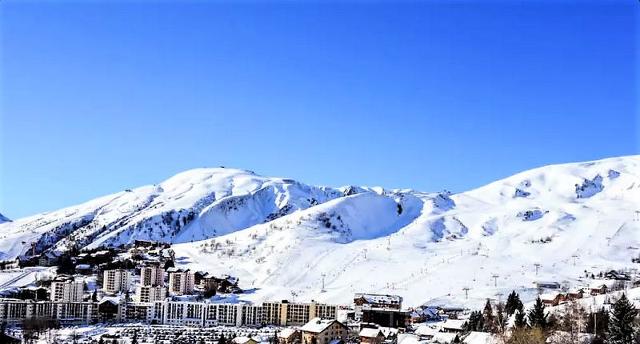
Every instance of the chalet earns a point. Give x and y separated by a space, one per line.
617 275
575 294
323 331
371 336
420 315
244 340
453 326
601 287
289 336
552 299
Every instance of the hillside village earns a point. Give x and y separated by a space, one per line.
136 294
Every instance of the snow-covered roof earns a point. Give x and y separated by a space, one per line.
599 283
243 340
286 333
317 325
454 324
479 338
405 338
369 332
425 330
443 337
379 298
549 296
83 267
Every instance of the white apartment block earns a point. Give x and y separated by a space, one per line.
166 312
67 290
115 280
145 293
181 282
152 276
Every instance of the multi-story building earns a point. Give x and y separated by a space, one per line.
67 289
15 311
375 302
182 313
152 275
116 280
180 282
145 293
285 313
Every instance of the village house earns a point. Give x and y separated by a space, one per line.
323 331
289 336
552 299
244 340
575 294
371 336
453 326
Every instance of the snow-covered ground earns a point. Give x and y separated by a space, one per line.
285 238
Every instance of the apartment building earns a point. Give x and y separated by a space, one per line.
67 289
146 293
181 282
167 312
286 313
152 275
116 280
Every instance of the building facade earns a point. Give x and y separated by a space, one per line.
67 290
152 276
181 282
116 280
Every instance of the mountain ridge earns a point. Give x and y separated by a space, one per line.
281 235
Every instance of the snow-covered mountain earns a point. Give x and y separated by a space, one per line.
4 218
281 236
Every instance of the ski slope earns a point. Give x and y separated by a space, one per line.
283 238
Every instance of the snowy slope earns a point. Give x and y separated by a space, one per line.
553 216
281 236
192 205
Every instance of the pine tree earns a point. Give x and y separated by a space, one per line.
537 316
513 303
621 330
222 340
475 322
488 318
134 339
520 320
500 319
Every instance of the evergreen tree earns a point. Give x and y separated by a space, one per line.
488 318
598 323
134 339
94 296
621 329
513 303
222 340
537 316
100 341
520 320
475 322
500 319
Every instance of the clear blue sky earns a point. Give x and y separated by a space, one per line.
98 97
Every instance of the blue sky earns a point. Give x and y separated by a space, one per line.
98 97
